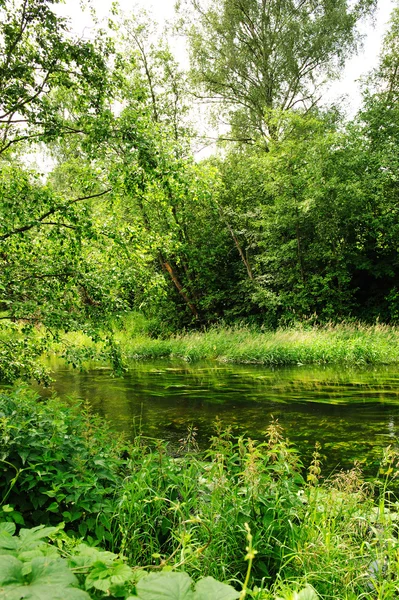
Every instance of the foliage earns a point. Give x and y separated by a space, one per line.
58 462
30 568
33 567
179 585
184 517
38 55
304 232
128 220
312 237
47 274
256 57
192 513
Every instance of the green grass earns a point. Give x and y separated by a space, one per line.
333 344
133 339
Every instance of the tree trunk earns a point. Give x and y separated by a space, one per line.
238 246
167 266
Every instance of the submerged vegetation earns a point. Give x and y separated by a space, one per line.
187 516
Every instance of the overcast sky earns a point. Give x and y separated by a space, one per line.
347 85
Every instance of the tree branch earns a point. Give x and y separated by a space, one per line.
52 211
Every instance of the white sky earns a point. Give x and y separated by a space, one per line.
366 60
346 90
163 10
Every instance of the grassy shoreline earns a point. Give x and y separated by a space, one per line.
344 344
340 344
133 338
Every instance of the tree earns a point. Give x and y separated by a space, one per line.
45 275
376 135
259 58
156 72
38 54
289 220
164 196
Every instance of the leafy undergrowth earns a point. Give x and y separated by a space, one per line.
59 462
42 564
244 519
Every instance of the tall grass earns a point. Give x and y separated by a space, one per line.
334 344
191 512
133 339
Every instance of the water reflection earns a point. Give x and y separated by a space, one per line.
352 413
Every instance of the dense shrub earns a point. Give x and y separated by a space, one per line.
59 463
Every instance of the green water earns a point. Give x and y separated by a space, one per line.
354 414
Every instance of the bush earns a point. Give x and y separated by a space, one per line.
60 463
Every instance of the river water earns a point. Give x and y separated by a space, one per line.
352 413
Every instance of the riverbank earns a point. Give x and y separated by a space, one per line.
247 514
346 344
338 344
133 338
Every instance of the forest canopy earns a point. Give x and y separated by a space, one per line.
294 218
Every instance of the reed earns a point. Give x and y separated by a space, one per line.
351 344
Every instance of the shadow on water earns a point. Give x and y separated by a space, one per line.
354 414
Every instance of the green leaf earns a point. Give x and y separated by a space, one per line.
42 592
48 571
165 586
18 518
88 555
46 579
99 532
7 508
40 550
36 534
120 574
308 593
210 588
103 577
7 540
10 571
8 528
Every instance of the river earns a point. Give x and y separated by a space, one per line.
352 413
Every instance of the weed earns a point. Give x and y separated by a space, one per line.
335 537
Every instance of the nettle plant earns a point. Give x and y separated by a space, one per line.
58 462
